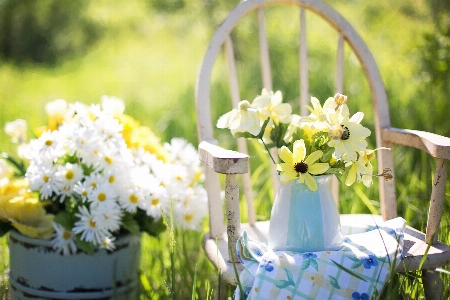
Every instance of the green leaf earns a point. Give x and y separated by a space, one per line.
246 135
327 154
336 171
277 135
349 271
263 129
282 284
334 282
130 224
289 275
19 165
314 264
87 247
352 258
4 228
65 219
305 264
148 224
356 264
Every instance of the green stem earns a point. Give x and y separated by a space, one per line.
268 151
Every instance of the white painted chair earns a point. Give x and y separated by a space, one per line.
230 163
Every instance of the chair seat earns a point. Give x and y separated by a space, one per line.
413 250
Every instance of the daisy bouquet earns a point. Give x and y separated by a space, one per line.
94 173
327 141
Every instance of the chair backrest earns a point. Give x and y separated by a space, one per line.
222 39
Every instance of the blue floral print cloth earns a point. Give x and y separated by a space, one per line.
357 271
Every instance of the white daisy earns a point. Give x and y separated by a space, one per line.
49 144
112 105
108 218
182 151
82 189
88 228
68 175
63 240
43 178
108 243
103 196
131 198
158 200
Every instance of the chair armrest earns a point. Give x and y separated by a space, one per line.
436 145
222 160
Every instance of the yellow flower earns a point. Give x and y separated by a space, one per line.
25 212
299 165
56 111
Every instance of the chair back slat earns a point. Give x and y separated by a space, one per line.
339 79
241 142
338 88
303 68
264 51
232 74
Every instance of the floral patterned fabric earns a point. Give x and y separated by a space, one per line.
357 271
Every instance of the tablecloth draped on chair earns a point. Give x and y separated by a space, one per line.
357 271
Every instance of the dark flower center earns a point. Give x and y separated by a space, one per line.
301 167
346 133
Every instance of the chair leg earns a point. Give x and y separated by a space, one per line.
432 285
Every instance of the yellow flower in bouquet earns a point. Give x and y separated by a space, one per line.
24 210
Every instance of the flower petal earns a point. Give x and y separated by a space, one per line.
310 182
286 155
299 150
223 121
351 178
288 175
318 169
313 157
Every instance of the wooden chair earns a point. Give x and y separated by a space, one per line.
230 163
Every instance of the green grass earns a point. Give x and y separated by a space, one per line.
150 58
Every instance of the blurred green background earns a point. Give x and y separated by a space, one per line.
148 52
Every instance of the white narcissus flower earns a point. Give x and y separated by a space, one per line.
17 130
271 106
317 112
243 119
353 138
